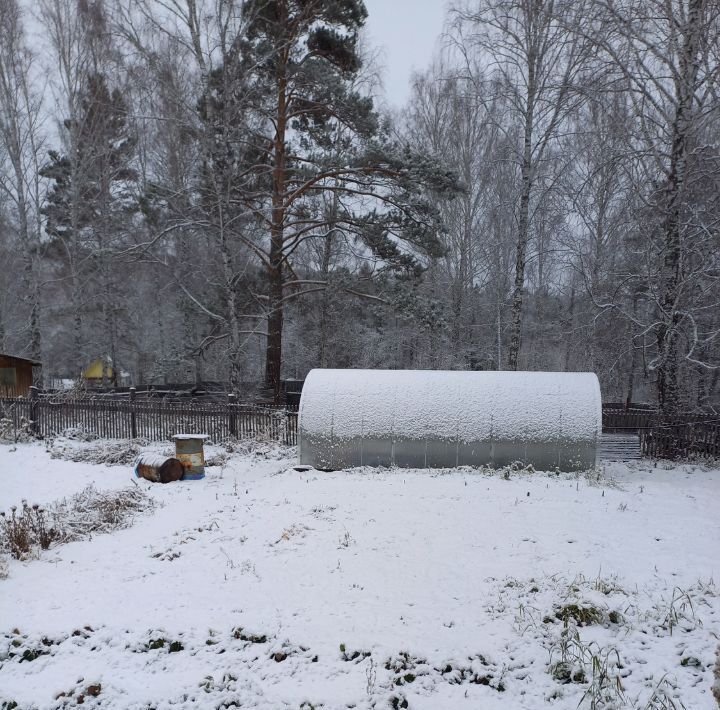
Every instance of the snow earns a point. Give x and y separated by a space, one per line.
411 571
476 406
554 409
27 472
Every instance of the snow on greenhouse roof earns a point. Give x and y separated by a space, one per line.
452 405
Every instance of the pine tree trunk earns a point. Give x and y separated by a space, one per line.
273 353
3 333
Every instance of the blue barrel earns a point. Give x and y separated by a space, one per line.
189 450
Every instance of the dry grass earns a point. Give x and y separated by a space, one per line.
86 513
108 453
91 511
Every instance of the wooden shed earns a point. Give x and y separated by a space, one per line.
16 375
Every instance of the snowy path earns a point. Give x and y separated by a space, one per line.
457 569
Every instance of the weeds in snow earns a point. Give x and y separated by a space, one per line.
91 511
22 530
244 635
353 655
608 585
295 530
660 698
581 615
10 434
345 540
371 677
84 514
574 661
605 688
108 453
679 611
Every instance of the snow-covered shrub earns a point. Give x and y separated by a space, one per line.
218 459
78 433
91 511
716 685
15 533
84 514
260 446
22 530
10 434
108 453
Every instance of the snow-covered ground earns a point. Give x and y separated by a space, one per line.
266 587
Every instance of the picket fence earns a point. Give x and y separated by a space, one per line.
687 436
152 419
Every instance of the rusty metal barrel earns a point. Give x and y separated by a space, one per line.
189 450
158 469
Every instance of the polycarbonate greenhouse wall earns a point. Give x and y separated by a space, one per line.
438 419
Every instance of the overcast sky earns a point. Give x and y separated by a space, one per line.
406 31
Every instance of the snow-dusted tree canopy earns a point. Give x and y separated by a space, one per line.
210 191
435 419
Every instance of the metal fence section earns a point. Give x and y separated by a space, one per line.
155 420
689 435
619 447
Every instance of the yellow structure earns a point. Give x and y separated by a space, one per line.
98 370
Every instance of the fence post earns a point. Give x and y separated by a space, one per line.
232 414
34 410
133 421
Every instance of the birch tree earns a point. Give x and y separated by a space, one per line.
667 55
21 141
448 116
538 63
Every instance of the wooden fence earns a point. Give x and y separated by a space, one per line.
618 420
699 439
156 420
689 435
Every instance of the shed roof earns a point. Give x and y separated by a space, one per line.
24 359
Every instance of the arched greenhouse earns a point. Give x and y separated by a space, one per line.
437 419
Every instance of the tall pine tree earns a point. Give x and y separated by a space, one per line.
298 62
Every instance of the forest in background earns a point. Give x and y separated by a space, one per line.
207 190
